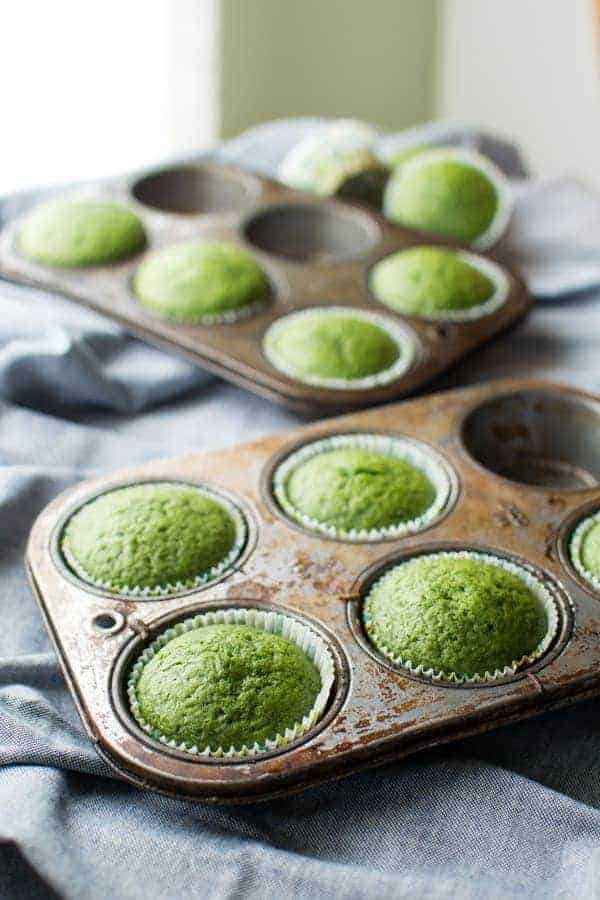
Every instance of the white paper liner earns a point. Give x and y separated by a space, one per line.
287 627
241 536
532 582
576 545
503 214
388 445
404 338
304 162
488 268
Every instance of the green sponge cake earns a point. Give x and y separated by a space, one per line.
201 282
352 489
337 160
225 686
362 487
338 347
152 538
585 549
434 282
454 193
457 614
69 233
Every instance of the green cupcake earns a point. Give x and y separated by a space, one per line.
455 193
434 282
201 282
458 615
71 233
585 549
338 347
362 487
339 160
230 688
153 538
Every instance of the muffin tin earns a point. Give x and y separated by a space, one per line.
524 468
316 252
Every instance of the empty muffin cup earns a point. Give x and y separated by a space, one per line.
232 684
538 437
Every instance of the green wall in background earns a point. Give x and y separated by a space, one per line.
373 59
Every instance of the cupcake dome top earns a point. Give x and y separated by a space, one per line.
584 549
336 347
70 233
153 537
355 489
431 281
201 281
223 686
455 614
451 192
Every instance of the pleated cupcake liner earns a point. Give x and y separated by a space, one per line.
576 547
387 445
227 317
534 584
241 537
401 335
473 158
281 624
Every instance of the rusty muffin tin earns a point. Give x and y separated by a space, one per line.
316 252
524 467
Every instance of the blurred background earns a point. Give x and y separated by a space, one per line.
107 87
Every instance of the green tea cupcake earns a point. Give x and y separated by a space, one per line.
585 549
438 283
452 192
71 233
338 160
235 682
362 487
153 538
460 616
201 282
339 347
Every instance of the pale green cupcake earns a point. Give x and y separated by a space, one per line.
201 282
338 160
584 549
74 233
437 283
339 347
452 192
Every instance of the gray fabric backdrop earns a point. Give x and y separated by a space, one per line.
511 814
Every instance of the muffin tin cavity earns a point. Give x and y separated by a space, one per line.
196 189
319 647
545 439
427 468
551 597
102 533
312 233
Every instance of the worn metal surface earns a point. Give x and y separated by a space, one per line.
316 252
377 713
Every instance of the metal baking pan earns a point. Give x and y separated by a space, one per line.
316 252
524 468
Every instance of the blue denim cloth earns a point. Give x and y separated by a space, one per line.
510 814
